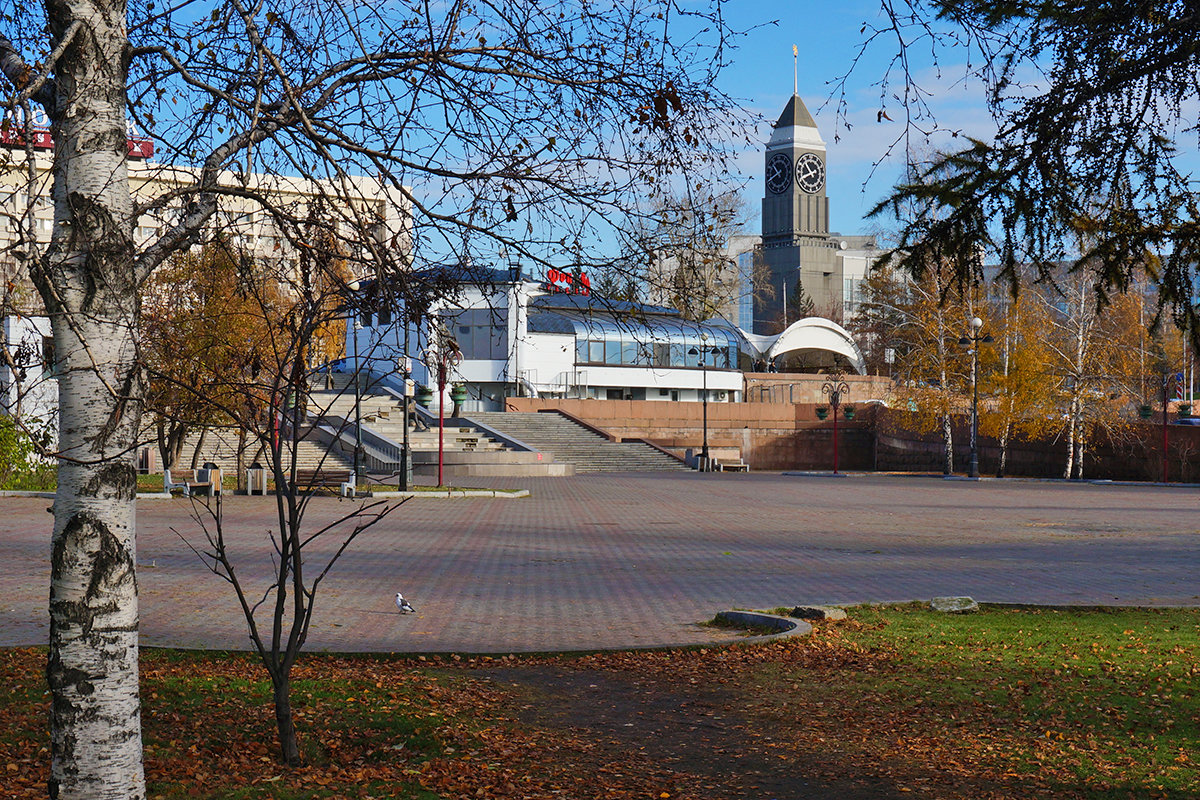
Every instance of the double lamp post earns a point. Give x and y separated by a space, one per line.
703 350
974 339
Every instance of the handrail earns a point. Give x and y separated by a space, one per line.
383 451
583 423
500 436
657 447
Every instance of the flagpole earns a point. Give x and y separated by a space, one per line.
795 70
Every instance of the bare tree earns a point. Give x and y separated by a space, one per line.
265 400
526 125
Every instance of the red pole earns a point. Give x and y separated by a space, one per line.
1164 427
441 414
835 453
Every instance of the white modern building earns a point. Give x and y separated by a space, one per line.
28 388
517 336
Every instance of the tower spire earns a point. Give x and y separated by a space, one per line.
795 70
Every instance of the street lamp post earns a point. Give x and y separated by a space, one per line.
445 356
974 340
404 367
702 351
837 388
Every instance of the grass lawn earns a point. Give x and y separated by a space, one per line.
896 702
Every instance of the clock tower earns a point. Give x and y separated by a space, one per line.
795 220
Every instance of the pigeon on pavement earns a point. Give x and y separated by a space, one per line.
402 604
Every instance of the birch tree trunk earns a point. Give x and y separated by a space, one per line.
1072 433
89 287
947 422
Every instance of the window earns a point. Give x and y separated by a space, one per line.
49 367
612 352
629 353
479 334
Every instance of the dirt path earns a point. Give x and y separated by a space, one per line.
700 733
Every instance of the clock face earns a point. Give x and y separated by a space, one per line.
810 173
779 173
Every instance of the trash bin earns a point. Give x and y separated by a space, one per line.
256 479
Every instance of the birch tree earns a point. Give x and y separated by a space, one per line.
919 321
1022 388
1089 357
526 126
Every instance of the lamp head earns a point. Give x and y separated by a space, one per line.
976 323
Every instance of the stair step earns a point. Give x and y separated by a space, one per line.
574 444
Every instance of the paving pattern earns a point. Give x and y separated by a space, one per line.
629 560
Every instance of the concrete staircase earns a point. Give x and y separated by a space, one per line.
220 447
572 443
465 451
384 415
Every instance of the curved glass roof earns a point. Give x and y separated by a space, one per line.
642 329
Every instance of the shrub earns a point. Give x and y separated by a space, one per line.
21 467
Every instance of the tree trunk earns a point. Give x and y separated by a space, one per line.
947 445
1072 432
240 460
171 436
164 450
90 290
289 747
199 447
1003 450
947 427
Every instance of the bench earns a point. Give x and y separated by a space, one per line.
189 480
733 466
341 479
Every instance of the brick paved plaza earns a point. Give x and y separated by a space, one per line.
603 561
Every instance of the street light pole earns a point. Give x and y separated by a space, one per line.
974 340
405 370
702 351
836 387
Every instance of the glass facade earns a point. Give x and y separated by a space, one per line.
745 311
659 343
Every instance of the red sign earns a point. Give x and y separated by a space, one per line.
12 136
564 282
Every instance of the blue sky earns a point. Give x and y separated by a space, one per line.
828 37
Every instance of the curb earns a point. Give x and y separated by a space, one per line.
515 494
784 627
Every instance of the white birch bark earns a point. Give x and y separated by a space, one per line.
88 284
944 376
